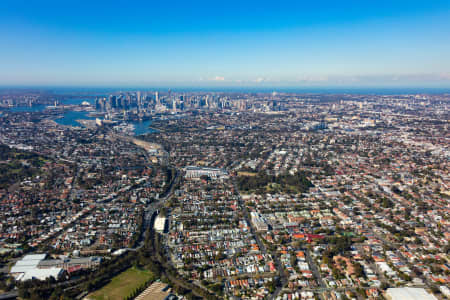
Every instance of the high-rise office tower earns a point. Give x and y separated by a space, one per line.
138 100
113 101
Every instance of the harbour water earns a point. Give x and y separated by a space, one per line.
33 108
142 127
70 118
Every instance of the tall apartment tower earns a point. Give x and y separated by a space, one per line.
138 100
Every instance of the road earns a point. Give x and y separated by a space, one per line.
262 247
315 270
9 295
155 206
395 246
402 258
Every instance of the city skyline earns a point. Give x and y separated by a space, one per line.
202 44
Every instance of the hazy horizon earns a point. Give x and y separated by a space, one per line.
103 90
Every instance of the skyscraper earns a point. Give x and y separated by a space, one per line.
138 99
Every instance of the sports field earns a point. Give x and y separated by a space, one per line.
122 285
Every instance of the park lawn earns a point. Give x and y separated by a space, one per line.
123 284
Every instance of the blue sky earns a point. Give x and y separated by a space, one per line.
225 43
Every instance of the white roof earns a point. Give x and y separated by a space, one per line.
160 223
21 269
34 256
41 274
27 263
409 294
384 266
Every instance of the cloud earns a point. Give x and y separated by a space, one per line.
312 78
335 79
